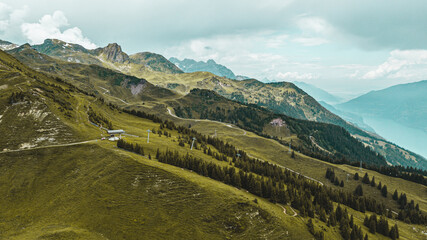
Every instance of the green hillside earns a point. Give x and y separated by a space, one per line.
79 187
83 187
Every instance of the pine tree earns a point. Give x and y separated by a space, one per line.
379 186
310 226
157 154
342 183
392 234
373 181
372 226
332 220
338 213
359 190
322 215
384 191
395 195
236 180
356 176
366 179
396 230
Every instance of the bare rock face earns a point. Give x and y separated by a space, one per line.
113 52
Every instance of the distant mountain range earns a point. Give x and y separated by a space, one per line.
190 65
318 93
404 103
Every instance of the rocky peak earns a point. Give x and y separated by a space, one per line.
113 52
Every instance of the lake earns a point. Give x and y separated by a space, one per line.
412 139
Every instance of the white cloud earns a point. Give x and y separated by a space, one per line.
314 30
400 64
314 25
49 26
9 17
295 76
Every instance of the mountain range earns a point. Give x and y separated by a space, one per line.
190 65
192 163
283 98
404 103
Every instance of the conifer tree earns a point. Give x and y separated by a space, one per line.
384 191
395 195
366 179
356 176
359 190
373 181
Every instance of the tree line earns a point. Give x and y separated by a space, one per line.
271 182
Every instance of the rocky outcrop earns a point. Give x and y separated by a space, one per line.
113 53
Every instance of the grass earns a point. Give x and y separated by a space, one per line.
125 196
96 191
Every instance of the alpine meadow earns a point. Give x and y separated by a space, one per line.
213 120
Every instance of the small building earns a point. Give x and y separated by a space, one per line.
120 131
277 122
115 132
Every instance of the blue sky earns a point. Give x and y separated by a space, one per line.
345 47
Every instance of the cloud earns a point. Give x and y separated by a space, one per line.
49 26
399 63
10 17
314 31
295 76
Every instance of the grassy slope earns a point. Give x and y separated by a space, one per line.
111 194
97 191
70 226
269 150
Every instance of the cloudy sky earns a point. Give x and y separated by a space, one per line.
345 47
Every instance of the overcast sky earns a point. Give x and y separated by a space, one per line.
345 47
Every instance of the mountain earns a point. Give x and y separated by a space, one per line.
113 53
404 103
110 56
317 93
60 180
240 77
156 62
190 65
397 113
93 78
350 117
5 45
282 97
335 142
